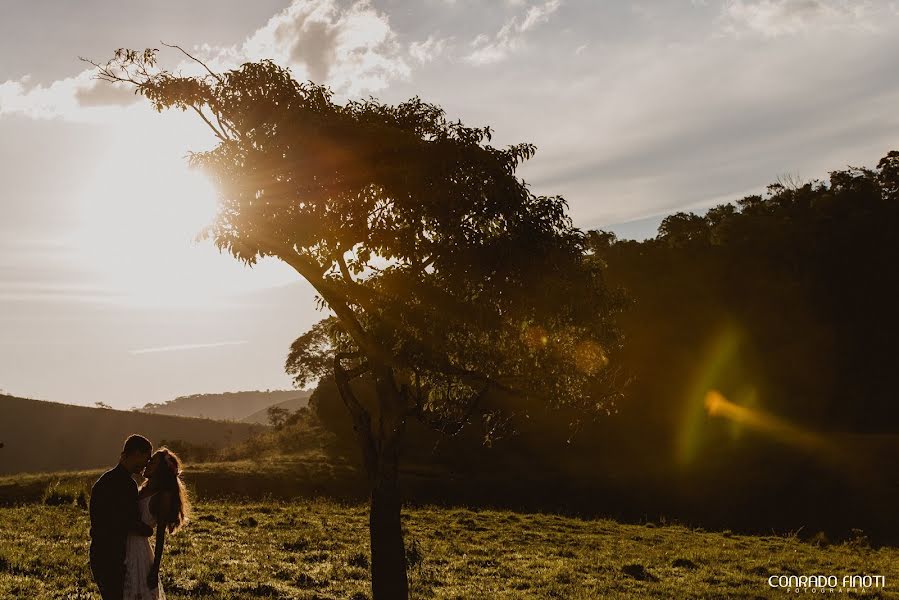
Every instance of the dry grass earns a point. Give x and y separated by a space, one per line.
319 549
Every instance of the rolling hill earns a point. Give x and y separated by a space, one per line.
260 417
229 406
40 436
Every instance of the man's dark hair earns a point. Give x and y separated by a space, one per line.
137 443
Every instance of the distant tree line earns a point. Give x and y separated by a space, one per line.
804 277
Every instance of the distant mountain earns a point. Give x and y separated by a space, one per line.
230 406
294 404
38 436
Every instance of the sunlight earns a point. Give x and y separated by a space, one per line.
140 213
137 224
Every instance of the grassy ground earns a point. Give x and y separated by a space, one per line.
318 549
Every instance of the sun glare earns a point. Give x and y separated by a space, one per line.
140 214
718 406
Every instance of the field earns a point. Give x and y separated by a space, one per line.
318 549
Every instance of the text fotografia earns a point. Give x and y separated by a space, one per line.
827 584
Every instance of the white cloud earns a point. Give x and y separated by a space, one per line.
77 98
354 50
773 18
427 50
510 37
180 347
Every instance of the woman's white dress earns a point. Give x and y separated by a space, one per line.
139 559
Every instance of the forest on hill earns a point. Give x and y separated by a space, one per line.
227 406
265 415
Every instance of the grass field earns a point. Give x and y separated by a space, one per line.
318 549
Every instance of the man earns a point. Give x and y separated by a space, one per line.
114 514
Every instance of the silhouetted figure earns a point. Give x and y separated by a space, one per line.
162 503
114 514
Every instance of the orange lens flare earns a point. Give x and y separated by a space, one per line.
717 405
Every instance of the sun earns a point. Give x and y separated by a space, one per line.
139 215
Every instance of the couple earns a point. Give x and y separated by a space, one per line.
123 516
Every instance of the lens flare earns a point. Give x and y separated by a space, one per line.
720 355
718 406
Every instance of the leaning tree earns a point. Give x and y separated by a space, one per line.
447 282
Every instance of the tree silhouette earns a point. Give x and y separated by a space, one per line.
449 282
277 416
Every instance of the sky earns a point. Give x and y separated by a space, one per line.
638 109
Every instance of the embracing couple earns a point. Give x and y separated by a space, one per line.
123 517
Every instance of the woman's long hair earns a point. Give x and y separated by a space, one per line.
167 478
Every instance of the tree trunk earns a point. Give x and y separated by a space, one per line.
388 553
379 440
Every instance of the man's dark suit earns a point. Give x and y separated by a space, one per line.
114 514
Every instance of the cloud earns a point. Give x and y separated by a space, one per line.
80 98
181 347
38 101
649 126
105 94
510 37
354 50
427 50
773 18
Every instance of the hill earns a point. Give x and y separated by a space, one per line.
228 406
40 436
260 417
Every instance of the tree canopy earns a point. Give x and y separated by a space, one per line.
434 256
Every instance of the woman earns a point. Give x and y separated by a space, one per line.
162 502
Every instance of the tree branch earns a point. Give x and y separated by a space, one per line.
195 59
105 74
215 130
356 371
344 270
360 416
310 272
224 125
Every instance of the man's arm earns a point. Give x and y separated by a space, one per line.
102 519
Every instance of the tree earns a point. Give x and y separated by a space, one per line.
453 289
277 416
684 230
